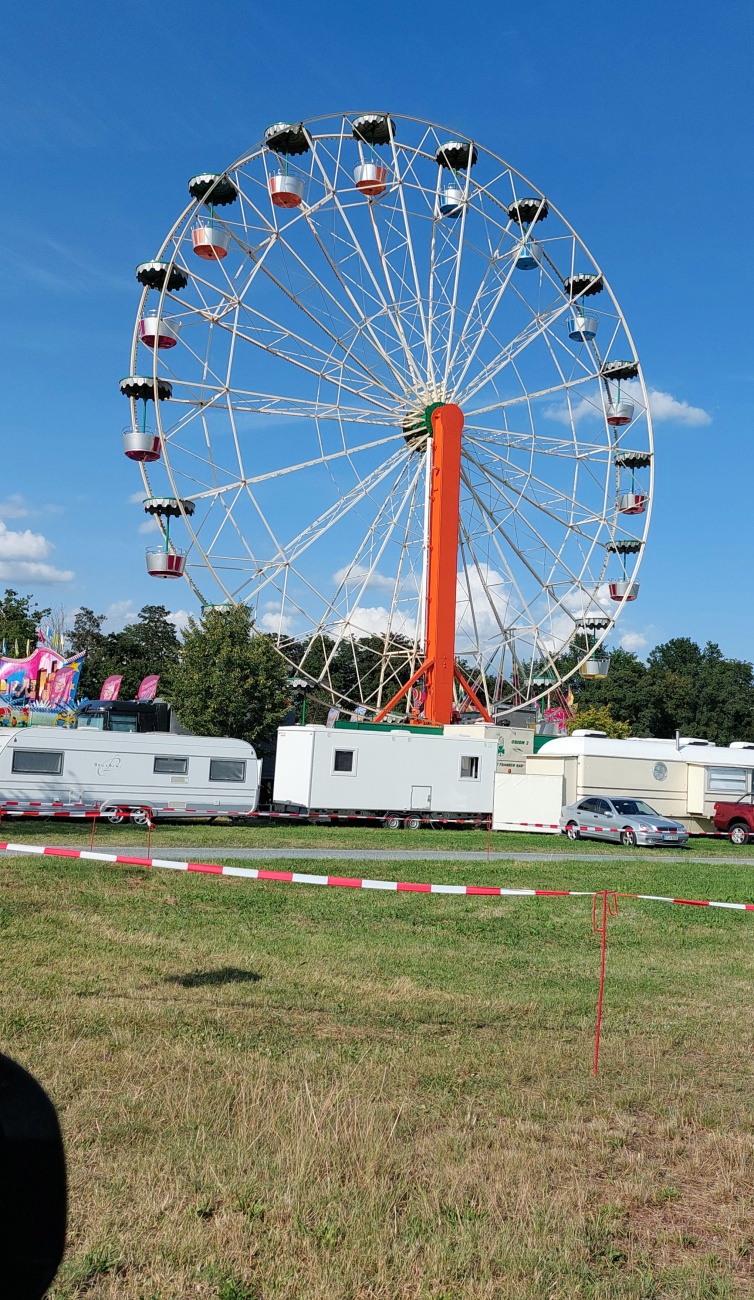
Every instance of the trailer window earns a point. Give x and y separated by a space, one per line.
343 760
227 769
38 761
169 766
470 767
122 721
91 720
727 780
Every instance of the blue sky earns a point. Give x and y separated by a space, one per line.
634 119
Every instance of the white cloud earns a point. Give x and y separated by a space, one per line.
371 620
121 612
136 498
13 507
179 618
353 575
22 554
274 623
579 410
634 641
665 408
150 525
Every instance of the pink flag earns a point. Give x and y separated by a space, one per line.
110 688
148 688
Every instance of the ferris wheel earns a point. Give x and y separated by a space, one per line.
397 411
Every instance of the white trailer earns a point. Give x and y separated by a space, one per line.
681 780
395 774
52 771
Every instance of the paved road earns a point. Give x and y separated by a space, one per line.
204 854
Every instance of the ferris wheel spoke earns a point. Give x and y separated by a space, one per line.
556 556
571 501
357 364
506 355
484 322
552 390
390 313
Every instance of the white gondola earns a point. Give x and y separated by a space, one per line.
286 191
624 589
451 201
141 445
370 178
581 328
620 413
595 668
153 328
528 255
210 242
632 503
165 564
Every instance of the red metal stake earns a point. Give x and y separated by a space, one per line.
609 908
94 824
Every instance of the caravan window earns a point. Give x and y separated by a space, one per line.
343 761
727 780
96 720
37 761
122 721
169 766
470 767
227 769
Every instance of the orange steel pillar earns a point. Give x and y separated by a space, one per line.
442 567
439 666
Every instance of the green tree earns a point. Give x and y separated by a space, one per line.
150 645
19 621
598 717
87 637
230 681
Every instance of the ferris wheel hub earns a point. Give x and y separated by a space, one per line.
417 426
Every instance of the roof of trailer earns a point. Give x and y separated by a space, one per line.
665 750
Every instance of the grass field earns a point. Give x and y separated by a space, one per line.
287 835
279 1091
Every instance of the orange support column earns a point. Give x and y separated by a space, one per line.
444 503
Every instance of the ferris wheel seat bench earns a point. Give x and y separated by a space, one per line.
165 564
452 201
141 445
624 590
632 503
528 255
384 770
620 414
370 178
153 329
286 191
211 243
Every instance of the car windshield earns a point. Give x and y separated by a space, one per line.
633 808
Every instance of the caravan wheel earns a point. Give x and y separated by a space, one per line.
117 817
141 816
392 823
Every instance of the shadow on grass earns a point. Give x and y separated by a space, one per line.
201 978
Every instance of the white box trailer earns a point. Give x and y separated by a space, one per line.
397 773
682 781
63 773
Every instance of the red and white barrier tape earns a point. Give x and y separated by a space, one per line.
349 882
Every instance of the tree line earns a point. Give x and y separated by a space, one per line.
224 678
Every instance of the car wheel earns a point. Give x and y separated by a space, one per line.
572 831
628 837
393 823
413 823
739 834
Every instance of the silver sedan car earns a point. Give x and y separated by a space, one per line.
626 821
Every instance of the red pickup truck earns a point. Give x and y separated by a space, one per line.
736 819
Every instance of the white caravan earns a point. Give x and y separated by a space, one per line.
399 775
681 781
52 771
